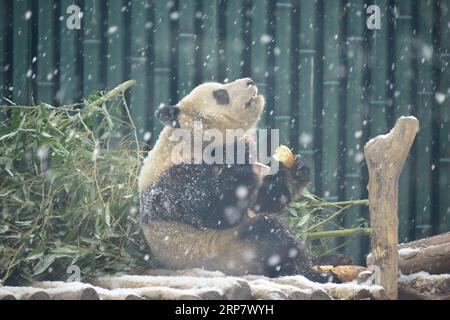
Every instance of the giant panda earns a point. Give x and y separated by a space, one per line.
192 215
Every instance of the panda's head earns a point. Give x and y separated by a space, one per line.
234 105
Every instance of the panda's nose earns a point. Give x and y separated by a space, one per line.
250 82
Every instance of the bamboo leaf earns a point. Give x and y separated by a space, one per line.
44 264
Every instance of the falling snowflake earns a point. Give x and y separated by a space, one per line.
440 97
112 29
265 39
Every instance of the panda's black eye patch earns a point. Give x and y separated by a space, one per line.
221 96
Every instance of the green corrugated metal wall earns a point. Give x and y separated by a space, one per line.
330 82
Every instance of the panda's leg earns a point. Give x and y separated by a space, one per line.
278 251
278 190
261 245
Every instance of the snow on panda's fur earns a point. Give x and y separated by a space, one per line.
192 214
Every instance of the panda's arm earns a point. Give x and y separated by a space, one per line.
213 196
278 190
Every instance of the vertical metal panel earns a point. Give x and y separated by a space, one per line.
318 89
3 22
353 122
161 34
444 119
294 62
233 43
330 109
174 41
47 71
199 30
260 40
366 118
435 125
341 119
282 53
424 104
209 50
23 52
70 65
221 39
306 70
92 44
138 65
400 96
378 61
270 71
187 45
115 37
331 82
246 54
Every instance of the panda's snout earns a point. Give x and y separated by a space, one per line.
250 82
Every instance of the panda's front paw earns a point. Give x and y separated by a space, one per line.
300 171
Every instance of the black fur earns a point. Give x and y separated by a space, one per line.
168 115
280 252
201 195
273 194
221 96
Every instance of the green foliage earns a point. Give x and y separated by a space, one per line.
312 216
68 192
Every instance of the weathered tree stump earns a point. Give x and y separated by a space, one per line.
58 290
28 293
385 156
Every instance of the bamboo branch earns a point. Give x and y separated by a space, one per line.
340 233
108 96
114 93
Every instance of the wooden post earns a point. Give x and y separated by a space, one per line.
385 156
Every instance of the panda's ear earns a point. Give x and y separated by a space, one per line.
221 96
168 115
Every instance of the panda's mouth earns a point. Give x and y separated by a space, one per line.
251 103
